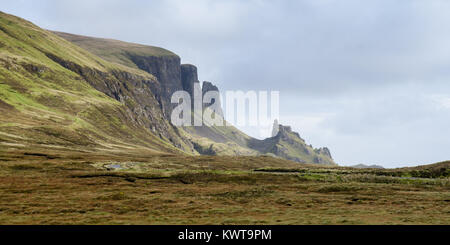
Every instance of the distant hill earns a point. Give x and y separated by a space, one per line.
434 166
367 166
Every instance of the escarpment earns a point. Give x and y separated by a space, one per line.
149 103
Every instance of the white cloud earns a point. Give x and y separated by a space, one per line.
441 101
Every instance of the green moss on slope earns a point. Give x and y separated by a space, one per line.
44 102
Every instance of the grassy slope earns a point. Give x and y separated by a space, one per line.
48 105
299 152
222 140
114 50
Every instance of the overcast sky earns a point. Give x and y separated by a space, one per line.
368 79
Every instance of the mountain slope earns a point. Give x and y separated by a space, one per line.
56 94
93 94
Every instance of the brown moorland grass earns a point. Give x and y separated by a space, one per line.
81 188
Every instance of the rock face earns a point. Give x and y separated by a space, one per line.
209 87
189 78
276 128
286 131
167 69
324 151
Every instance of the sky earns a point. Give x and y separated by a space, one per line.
368 79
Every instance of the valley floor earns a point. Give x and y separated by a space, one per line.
54 188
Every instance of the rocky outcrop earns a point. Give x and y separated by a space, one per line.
189 78
289 145
285 133
276 128
209 87
167 70
324 151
